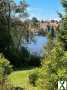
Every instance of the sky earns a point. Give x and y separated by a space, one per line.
44 9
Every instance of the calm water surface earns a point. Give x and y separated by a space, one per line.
36 46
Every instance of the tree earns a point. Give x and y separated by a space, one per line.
4 32
64 4
51 43
35 23
13 29
19 24
63 29
8 11
54 68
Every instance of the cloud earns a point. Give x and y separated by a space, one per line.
37 12
42 14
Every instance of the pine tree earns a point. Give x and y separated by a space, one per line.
63 29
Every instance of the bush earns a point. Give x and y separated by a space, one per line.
5 67
33 77
16 57
54 69
22 58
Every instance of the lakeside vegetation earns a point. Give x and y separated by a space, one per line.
19 69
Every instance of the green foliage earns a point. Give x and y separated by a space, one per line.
5 67
64 3
4 38
22 58
62 36
50 44
63 30
7 23
54 69
12 30
16 57
33 77
35 23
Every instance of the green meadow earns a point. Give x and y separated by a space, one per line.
20 79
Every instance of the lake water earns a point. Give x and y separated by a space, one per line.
36 47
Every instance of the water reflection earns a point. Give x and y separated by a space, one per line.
36 47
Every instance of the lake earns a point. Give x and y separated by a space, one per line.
36 46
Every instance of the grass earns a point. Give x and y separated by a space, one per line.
20 78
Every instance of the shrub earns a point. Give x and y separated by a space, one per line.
54 69
22 58
5 67
33 77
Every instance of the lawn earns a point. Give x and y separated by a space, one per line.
20 78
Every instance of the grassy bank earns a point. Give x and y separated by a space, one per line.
20 79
